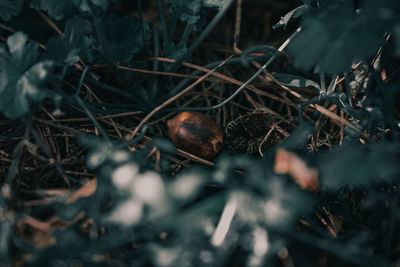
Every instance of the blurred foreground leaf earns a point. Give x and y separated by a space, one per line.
10 8
65 49
125 37
336 35
22 78
57 9
359 165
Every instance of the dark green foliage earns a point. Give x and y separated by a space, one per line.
337 35
6 235
175 51
66 49
381 159
88 6
186 10
125 37
57 9
96 197
10 8
22 77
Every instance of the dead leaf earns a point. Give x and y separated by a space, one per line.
34 231
39 233
289 163
85 190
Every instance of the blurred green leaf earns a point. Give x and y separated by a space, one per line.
164 145
125 37
10 8
335 35
175 51
21 79
6 231
396 35
65 49
99 150
279 208
359 165
186 10
299 138
86 5
57 9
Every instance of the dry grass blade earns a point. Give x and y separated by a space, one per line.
172 99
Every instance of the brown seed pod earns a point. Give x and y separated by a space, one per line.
195 133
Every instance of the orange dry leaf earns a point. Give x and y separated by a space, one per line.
34 231
39 232
289 163
86 190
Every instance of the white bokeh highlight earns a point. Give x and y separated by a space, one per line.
185 186
127 213
225 222
123 176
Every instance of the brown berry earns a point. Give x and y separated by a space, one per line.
195 133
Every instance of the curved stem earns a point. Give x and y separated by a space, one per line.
255 75
156 53
186 33
202 36
185 82
17 158
81 80
162 20
139 5
259 48
92 118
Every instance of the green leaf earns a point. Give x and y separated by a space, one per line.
86 5
10 8
186 10
90 50
59 51
279 208
101 151
124 37
336 35
375 162
174 51
57 9
298 139
65 49
22 80
295 81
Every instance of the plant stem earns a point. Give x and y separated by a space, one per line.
202 36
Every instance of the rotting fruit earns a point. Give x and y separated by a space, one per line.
195 133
